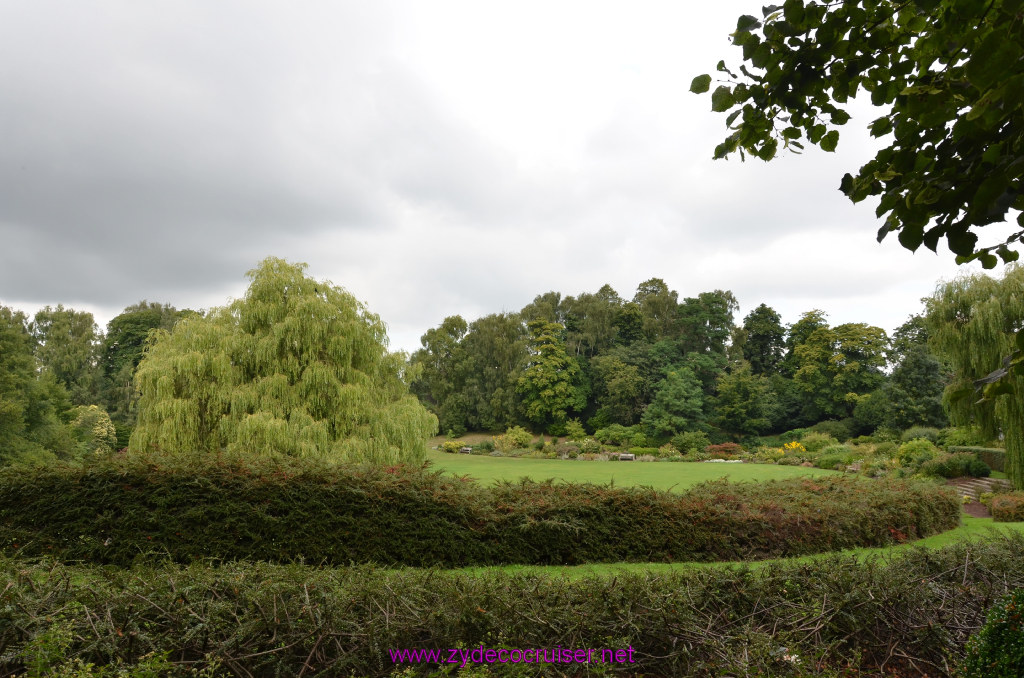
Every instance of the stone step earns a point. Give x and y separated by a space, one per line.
975 486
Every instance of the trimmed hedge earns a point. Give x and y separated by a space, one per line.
121 510
994 457
909 616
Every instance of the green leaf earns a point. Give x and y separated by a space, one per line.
911 236
701 84
794 11
840 117
1020 340
721 99
830 141
816 133
746 22
962 242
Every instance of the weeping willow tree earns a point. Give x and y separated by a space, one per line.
974 323
296 367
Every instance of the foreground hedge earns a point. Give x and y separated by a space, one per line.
118 511
910 616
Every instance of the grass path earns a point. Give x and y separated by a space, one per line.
659 475
970 528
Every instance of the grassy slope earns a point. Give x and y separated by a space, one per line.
659 475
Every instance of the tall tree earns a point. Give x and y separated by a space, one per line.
590 321
441 381
836 366
550 385
949 75
495 348
974 323
619 390
707 321
30 401
297 367
746 403
121 351
798 333
677 407
765 340
67 344
658 307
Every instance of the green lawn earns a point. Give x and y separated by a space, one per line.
971 528
659 475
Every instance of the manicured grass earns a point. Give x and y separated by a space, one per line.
659 475
970 529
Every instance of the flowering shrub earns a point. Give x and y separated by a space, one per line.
794 448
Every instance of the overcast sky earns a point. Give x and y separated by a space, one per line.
433 158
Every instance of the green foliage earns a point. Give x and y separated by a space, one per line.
119 510
928 433
974 322
997 649
815 442
746 402
270 620
297 367
955 466
691 441
961 436
515 438
839 430
94 430
678 405
617 434
550 386
31 403
765 340
913 453
574 430
835 366
1008 507
950 77
993 458
66 344
886 448
835 457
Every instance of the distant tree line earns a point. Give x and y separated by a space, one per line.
672 365
65 386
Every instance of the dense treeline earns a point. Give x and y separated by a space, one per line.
66 387
670 366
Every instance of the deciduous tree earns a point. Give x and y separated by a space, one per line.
296 367
949 76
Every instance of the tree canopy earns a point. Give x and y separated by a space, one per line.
297 367
949 75
975 324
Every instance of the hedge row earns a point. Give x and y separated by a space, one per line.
995 458
118 511
911 616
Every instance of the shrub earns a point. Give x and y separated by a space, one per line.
835 457
836 429
815 442
1008 507
118 510
485 445
886 448
274 620
994 457
768 455
691 441
997 650
915 432
862 440
913 453
574 430
976 468
515 438
667 450
451 446
961 436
